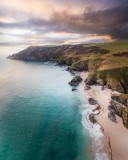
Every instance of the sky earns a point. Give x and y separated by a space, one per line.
57 22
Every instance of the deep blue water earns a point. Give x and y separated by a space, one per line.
40 116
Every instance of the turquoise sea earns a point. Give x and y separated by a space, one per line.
40 116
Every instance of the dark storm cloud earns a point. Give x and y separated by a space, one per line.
94 3
99 18
113 22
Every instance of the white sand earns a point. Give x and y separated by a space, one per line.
115 133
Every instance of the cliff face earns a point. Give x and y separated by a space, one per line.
64 54
107 63
119 103
39 54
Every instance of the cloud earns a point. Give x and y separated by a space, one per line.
93 21
112 22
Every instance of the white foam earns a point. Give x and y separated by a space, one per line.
94 131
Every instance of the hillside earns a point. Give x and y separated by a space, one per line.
107 62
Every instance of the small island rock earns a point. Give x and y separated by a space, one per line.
75 81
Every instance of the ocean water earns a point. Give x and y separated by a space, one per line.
40 117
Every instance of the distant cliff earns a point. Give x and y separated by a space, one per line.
107 62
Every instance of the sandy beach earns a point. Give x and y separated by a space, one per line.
115 139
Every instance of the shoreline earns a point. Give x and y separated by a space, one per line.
114 139
99 144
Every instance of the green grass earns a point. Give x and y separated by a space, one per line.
113 47
108 62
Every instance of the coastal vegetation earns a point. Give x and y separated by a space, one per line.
107 63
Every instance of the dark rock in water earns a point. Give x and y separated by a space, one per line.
92 118
75 81
92 101
74 89
70 69
112 116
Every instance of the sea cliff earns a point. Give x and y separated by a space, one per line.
107 63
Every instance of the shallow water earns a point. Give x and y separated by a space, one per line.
40 116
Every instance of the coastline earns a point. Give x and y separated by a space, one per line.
114 141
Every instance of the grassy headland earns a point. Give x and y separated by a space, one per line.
106 62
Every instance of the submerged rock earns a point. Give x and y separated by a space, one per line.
75 81
92 101
74 89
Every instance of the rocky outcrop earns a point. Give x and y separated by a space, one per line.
80 65
90 82
115 79
119 106
121 98
112 114
75 81
70 69
125 116
121 54
92 118
92 101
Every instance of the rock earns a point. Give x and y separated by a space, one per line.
125 116
97 108
112 116
70 69
92 101
74 89
90 82
119 105
122 98
75 81
92 118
